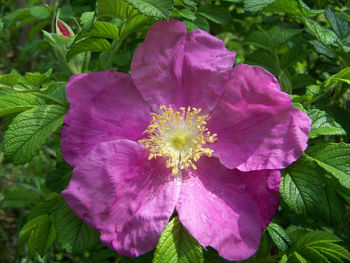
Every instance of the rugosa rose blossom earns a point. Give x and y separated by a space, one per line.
183 132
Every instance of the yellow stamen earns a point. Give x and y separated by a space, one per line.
179 137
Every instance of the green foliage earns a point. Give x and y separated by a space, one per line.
29 130
73 234
279 236
39 234
318 246
177 245
307 48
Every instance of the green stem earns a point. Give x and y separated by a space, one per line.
123 34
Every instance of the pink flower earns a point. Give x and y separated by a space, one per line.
62 28
184 132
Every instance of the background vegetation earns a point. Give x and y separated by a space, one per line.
305 44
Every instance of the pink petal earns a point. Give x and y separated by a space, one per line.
175 68
118 191
104 106
257 125
228 209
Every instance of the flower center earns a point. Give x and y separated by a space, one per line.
179 136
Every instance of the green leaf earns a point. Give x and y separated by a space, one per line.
9 79
302 80
333 158
322 49
90 44
331 207
216 13
49 206
19 197
323 124
58 179
177 245
17 102
72 233
87 20
263 59
301 188
320 245
341 76
101 29
40 234
293 55
36 79
185 13
124 11
272 38
29 130
158 9
326 36
338 24
40 12
257 5
279 236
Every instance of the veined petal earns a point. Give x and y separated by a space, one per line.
228 209
257 125
125 196
175 68
104 106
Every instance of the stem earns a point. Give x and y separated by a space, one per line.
123 34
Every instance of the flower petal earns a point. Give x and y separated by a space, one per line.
104 106
228 209
119 192
175 68
257 125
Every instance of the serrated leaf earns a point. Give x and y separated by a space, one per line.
58 179
334 158
17 102
313 255
35 79
101 29
320 245
326 36
338 24
279 236
302 80
158 9
29 130
322 49
72 233
257 5
90 44
341 76
263 59
123 10
49 206
215 13
87 20
177 245
323 124
292 56
331 206
19 197
185 13
9 79
40 234
272 38
301 188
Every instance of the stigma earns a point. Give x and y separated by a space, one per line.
178 136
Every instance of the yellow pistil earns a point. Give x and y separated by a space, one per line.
178 136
